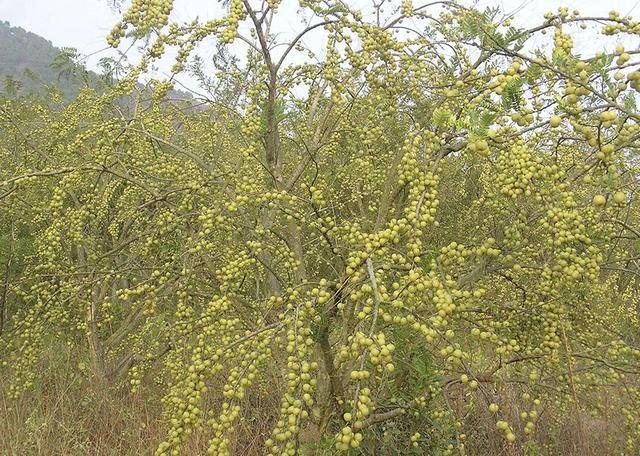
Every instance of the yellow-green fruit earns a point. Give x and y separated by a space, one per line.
555 121
619 197
599 200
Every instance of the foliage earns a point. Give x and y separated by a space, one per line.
416 231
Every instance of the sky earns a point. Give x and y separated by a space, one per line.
84 24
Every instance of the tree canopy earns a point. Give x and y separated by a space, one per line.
371 250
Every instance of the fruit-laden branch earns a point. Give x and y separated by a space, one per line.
7 273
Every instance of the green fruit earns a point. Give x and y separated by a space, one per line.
619 197
599 201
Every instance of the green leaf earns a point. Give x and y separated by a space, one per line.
441 117
511 94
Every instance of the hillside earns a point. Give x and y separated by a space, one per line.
27 58
29 63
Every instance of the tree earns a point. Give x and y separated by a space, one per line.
384 239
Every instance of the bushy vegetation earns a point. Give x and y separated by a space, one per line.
422 241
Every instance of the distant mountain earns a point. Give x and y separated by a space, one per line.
29 63
26 63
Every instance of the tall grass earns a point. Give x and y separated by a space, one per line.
67 413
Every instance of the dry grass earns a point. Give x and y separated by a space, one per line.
68 414
570 431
